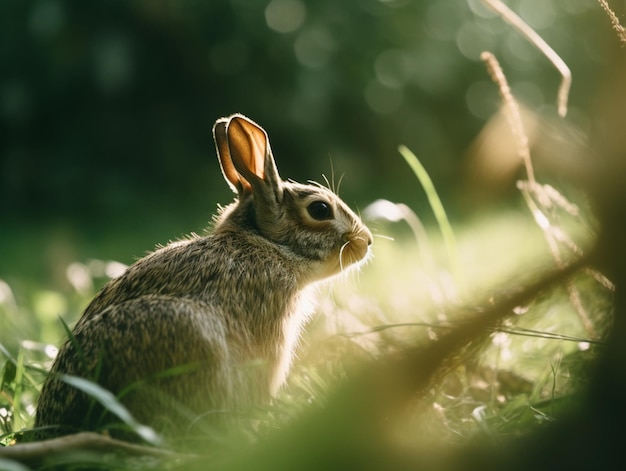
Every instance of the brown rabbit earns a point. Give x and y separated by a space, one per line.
209 324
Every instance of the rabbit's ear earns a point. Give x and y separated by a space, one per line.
251 155
236 182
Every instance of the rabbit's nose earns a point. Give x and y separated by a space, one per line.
368 235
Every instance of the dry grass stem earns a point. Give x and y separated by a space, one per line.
600 278
548 196
546 228
554 235
566 81
539 197
583 315
512 112
619 29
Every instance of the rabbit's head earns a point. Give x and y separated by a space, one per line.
309 220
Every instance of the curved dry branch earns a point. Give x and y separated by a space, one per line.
37 452
566 81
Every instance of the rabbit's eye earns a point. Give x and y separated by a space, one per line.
320 210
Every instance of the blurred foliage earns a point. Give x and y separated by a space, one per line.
106 106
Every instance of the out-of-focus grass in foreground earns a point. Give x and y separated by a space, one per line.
520 376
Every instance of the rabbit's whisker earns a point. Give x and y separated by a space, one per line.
341 267
381 236
328 185
332 175
339 184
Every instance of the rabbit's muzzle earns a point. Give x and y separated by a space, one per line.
355 249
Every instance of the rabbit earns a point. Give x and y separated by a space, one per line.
208 325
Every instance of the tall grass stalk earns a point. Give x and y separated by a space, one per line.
18 390
617 26
438 211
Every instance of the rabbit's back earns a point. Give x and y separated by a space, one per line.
157 353
237 271
179 335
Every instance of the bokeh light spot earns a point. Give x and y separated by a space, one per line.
519 48
381 99
285 16
15 101
113 63
442 20
480 9
538 14
314 47
528 93
472 40
393 68
46 18
577 6
481 98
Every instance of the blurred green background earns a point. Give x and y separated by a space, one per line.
106 106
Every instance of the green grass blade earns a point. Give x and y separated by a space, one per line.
438 210
13 361
74 343
113 405
17 391
6 353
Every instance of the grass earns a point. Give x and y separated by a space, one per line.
513 381
519 376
